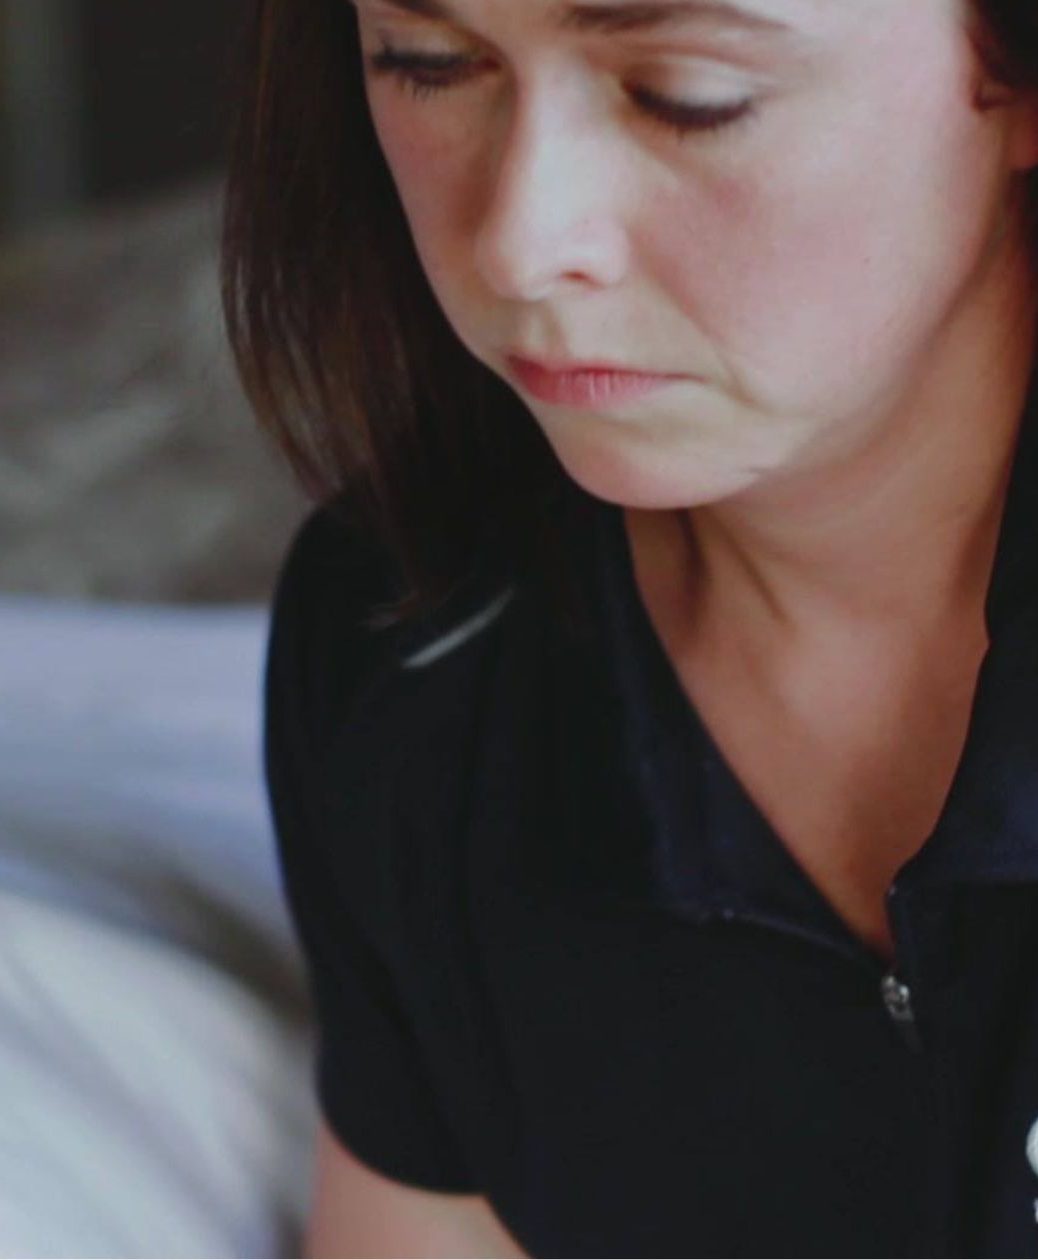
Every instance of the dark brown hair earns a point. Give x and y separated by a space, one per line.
343 350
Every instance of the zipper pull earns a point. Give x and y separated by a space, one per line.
897 998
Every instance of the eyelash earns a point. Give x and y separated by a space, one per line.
424 75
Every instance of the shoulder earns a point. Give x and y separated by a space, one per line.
319 644
333 569
369 733
327 649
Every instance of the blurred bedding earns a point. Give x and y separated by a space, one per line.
154 1042
155 1032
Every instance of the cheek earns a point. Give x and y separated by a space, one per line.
837 242
780 277
429 167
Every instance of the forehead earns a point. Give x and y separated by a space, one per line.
809 23
606 17
875 38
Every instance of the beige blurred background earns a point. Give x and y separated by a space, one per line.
155 1034
130 468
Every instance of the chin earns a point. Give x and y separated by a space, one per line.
650 479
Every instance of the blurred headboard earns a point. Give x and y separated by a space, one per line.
130 466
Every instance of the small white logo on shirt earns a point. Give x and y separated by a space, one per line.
1032 1158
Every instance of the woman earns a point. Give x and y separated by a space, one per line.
651 703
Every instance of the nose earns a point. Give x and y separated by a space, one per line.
552 214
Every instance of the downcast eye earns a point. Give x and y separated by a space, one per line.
425 74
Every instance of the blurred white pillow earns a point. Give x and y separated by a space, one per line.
155 1035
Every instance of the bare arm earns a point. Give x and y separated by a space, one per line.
359 1212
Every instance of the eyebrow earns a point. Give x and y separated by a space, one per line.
634 15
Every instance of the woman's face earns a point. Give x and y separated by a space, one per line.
800 266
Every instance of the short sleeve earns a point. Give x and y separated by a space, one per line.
373 1086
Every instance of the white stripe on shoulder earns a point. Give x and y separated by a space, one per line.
460 634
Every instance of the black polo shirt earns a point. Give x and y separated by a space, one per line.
559 959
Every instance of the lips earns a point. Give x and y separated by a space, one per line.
584 385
